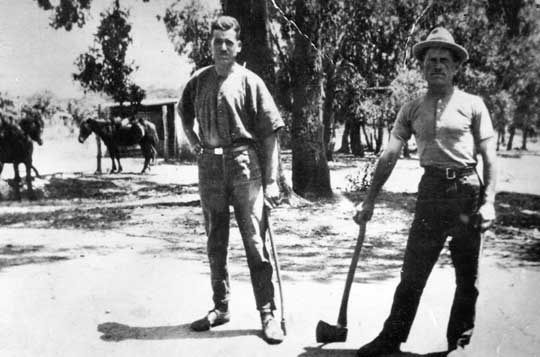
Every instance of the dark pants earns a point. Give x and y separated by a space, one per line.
234 178
444 208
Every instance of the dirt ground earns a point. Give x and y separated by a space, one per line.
115 265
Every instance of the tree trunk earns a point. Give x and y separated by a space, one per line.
524 139
357 149
379 135
332 143
165 132
310 173
99 154
369 142
345 149
328 112
511 131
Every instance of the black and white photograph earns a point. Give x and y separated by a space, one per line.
293 178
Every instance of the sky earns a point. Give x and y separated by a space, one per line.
35 57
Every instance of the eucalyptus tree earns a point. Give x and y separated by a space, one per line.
103 68
67 13
310 172
188 27
375 41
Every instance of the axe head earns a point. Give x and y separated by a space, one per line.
327 333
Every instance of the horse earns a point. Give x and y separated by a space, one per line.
114 135
16 145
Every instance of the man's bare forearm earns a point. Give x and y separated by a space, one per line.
383 169
192 137
489 155
271 158
187 125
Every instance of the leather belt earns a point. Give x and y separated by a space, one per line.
449 173
224 150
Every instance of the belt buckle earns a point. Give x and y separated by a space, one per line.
218 151
450 174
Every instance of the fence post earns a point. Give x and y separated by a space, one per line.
174 132
98 144
165 132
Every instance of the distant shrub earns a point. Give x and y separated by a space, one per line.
360 182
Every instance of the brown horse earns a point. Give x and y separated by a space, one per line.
114 136
16 145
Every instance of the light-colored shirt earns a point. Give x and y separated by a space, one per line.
229 109
447 131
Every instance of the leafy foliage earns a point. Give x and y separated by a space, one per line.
103 68
67 13
44 102
350 87
7 108
80 109
502 109
188 27
407 86
6 101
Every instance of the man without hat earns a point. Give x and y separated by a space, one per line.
236 115
451 128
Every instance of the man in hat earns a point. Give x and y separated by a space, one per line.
451 127
238 160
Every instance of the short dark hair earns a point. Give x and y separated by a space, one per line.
455 55
225 23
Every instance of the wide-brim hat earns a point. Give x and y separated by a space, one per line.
440 37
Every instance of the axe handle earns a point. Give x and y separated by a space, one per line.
342 317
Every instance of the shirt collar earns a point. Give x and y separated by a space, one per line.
234 69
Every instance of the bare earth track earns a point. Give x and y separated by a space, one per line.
104 258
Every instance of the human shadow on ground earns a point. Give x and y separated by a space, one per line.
327 352
114 331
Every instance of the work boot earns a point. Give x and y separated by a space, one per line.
215 317
461 342
271 328
380 346
457 352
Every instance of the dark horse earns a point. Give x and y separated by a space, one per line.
141 132
16 145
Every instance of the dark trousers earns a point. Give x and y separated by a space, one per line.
444 208
234 178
